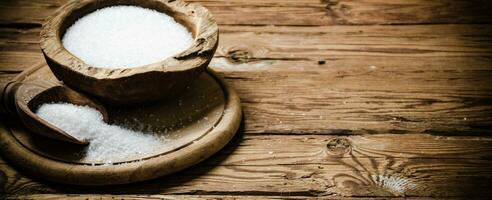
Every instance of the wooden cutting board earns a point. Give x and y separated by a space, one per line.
197 123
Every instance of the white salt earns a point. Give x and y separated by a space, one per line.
125 37
108 143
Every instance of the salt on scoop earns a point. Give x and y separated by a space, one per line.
107 142
125 37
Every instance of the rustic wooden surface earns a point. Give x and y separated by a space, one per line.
402 105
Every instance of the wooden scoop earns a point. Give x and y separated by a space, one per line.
23 99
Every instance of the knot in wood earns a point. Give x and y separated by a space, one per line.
239 56
338 146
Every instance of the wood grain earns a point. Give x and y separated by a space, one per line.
409 11
6 77
197 197
324 42
329 166
374 77
345 103
427 70
31 13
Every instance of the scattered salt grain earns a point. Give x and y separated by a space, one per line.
125 37
108 143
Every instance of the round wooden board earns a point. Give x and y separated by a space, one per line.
197 124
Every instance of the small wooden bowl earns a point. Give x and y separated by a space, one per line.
131 85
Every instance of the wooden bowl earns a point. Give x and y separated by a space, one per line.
131 85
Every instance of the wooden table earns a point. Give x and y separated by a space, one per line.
342 99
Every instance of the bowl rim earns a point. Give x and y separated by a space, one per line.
199 53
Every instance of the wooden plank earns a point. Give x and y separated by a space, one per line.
324 42
439 77
16 61
306 12
315 165
410 11
344 103
19 49
5 77
353 12
277 12
196 197
29 13
435 74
